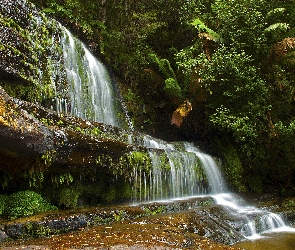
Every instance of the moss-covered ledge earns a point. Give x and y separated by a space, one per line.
31 131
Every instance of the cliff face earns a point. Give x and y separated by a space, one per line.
30 48
29 130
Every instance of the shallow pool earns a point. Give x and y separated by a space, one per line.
270 241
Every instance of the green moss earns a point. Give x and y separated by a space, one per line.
48 157
37 230
172 87
289 203
61 178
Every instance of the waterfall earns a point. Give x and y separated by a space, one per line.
255 221
194 173
177 170
90 88
180 170
213 173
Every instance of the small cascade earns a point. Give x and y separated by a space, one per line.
89 84
187 172
255 221
175 172
213 173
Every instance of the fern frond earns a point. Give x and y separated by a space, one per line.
275 11
206 32
277 26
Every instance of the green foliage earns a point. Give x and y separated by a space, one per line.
242 24
59 179
290 203
163 66
157 210
48 157
36 230
140 160
203 28
3 199
232 167
278 26
68 196
238 98
172 87
26 203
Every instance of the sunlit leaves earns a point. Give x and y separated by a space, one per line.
237 97
211 34
275 11
278 26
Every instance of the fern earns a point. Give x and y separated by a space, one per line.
211 34
275 11
277 26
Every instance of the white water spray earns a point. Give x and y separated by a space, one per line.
89 85
182 181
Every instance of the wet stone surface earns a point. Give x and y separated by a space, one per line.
154 232
196 223
177 225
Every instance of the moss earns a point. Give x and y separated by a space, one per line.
39 55
36 230
172 87
289 203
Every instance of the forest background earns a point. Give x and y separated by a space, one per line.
232 62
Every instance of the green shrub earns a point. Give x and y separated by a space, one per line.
26 203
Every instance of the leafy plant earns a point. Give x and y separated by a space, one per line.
68 197
26 203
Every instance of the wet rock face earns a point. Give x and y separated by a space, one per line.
3 236
29 44
20 132
24 134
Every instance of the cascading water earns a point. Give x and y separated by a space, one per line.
89 85
178 169
185 178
